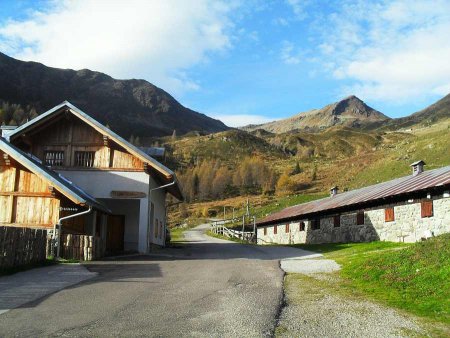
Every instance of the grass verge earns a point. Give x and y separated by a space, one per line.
233 239
412 277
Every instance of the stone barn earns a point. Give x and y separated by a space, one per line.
406 209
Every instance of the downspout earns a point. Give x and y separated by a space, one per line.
149 233
59 224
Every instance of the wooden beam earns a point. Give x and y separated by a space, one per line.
7 159
26 194
52 191
13 199
106 140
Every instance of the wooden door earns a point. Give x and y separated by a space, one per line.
115 233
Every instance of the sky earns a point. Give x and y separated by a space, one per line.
247 61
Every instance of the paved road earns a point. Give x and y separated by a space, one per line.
210 287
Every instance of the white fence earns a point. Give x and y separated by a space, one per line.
218 227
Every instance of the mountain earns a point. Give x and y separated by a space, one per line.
349 112
128 106
437 111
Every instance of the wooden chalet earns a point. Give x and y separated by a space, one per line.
94 160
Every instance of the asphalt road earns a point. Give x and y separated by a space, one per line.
207 288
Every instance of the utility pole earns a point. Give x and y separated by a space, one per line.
233 214
243 226
224 218
248 209
254 228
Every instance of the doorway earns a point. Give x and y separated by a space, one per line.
115 233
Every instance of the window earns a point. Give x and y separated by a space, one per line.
265 231
337 221
389 215
302 226
426 208
287 228
360 218
84 159
275 229
315 224
54 158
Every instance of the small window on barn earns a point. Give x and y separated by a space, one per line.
287 228
337 221
275 229
84 159
54 158
389 215
302 226
360 218
315 224
265 231
427 208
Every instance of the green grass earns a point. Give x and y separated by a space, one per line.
233 239
412 277
279 203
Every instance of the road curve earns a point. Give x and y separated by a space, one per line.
207 288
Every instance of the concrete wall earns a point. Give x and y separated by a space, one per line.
100 184
408 225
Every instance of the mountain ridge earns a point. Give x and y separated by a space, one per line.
128 106
350 111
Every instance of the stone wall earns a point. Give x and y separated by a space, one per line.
408 226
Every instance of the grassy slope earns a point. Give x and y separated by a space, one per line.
344 157
412 277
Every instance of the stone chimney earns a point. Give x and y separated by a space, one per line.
417 167
334 191
6 130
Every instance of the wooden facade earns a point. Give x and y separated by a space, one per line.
67 142
26 199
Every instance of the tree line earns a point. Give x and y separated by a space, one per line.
14 114
211 179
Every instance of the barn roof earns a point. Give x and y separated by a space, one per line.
165 174
374 194
62 184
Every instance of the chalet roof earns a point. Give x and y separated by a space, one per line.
62 184
167 175
374 194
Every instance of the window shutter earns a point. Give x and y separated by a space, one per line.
360 218
302 226
427 208
275 229
389 215
337 221
287 228
265 231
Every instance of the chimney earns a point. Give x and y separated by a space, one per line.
417 167
334 191
6 130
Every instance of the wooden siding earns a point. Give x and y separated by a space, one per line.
25 199
69 134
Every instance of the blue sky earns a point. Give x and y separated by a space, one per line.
247 61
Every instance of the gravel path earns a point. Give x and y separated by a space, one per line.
314 309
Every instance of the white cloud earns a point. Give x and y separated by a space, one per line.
155 40
240 120
391 50
299 8
288 55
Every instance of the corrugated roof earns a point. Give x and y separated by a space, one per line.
62 184
400 186
166 172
